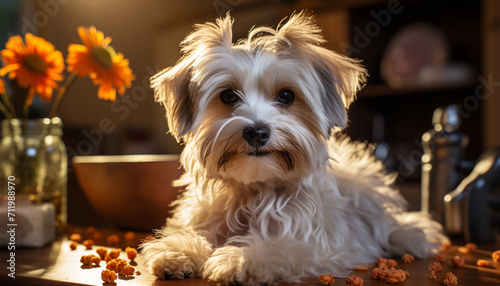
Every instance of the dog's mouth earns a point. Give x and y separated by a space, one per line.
259 153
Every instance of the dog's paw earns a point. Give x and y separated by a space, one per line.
172 266
229 266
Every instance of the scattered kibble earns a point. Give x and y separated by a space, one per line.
458 261
362 268
73 245
326 279
483 263
76 237
129 236
137 272
131 253
392 263
102 252
108 276
112 240
435 266
496 256
450 279
440 257
115 253
354 280
88 243
90 259
394 276
407 258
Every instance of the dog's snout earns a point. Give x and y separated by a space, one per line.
256 135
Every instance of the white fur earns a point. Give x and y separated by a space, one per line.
316 203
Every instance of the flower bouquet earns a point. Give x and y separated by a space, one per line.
32 154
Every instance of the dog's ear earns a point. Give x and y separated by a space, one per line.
175 87
340 77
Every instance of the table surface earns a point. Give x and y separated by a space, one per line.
57 264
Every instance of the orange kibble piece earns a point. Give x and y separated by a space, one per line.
471 247
76 237
88 243
496 256
458 261
407 258
380 260
432 275
112 240
354 280
90 259
440 257
108 276
102 252
483 263
97 237
131 253
129 236
73 245
111 265
362 268
123 268
436 266
450 279
115 253
394 276
326 279
379 274
90 231
392 263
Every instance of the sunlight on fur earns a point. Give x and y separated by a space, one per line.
272 192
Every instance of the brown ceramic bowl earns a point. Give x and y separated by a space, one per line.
131 191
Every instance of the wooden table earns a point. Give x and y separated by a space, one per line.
56 264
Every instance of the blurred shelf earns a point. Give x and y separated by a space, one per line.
382 89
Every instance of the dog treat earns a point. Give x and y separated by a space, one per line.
407 273
88 243
97 237
112 240
123 268
111 265
76 237
471 247
90 231
394 276
102 252
131 253
108 276
407 258
496 256
457 261
440 257
379 274
326 279
380 260
450 279
129 236
362 268
107 258
483 263
445 246
392 263
432 275
436 266
137 272
90 259
73 245
354 280
115 253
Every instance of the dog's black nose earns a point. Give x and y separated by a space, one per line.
256 135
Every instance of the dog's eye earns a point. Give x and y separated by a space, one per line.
228 96
285 97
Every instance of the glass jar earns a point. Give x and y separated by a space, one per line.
33 155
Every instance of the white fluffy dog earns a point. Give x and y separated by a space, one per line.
272 194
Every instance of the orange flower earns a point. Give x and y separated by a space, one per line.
106 68
2 86
36 64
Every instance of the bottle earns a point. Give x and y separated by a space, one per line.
443 148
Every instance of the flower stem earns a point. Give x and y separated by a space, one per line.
5 111
61 95
8 105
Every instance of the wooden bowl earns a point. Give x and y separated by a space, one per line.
131 191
